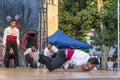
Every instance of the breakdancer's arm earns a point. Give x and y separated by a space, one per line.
66 65
82 68
74 70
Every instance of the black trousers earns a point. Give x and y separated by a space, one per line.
53 63
33 63
14 46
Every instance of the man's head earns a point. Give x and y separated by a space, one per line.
12 23
33 47
92 62
49 45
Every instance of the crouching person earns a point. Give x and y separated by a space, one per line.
69 56
31 57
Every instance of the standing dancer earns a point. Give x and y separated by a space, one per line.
69 56
11 39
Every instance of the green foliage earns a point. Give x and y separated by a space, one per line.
109 35
77 17
110 16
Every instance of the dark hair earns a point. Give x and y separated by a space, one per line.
93 60
50 43
12 20
33 45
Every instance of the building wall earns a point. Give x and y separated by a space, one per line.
52 16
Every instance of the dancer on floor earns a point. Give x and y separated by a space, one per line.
69 56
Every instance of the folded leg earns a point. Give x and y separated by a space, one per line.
56 62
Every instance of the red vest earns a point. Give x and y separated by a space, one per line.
11 38
70 52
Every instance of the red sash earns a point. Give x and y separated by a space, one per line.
11 38
70 52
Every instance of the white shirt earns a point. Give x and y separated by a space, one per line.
110 65
35 54
8 31
49 53
78 58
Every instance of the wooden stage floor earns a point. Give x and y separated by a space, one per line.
44 74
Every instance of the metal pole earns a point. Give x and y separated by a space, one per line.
40 20
118 35
46 22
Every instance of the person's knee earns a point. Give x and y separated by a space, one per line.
51 68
